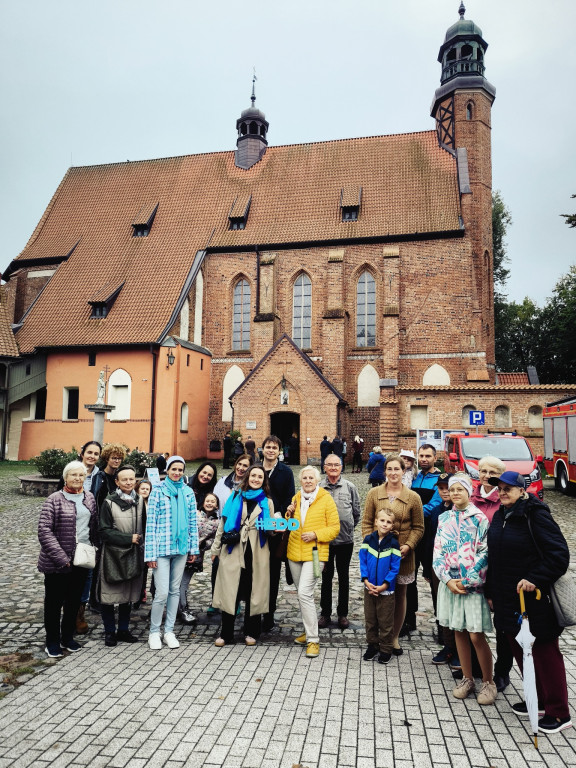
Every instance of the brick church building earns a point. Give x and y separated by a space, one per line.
339 287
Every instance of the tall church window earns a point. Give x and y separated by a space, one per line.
302 312
241 316
366 311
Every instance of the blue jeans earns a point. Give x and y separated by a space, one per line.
86 594
167 578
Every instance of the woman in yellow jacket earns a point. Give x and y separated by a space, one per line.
315 510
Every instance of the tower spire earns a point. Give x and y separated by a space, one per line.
254 78
252 128
462 10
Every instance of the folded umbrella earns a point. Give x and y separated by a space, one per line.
526 639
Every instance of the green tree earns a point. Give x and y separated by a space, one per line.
501 220
558 340
518 336
503 312
570 217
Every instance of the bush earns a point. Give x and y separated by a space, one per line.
140 461
50 463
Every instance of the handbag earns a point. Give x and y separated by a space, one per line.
229 538
562 592
85 555
121 563
563 596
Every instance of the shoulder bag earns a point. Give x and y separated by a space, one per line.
562 592
122 563
84 555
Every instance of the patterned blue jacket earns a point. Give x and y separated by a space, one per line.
380 560
157 542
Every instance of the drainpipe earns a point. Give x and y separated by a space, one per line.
154 354
232 407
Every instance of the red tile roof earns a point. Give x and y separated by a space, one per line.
8 346
513 378
409 187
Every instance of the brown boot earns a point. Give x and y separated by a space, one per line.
81 625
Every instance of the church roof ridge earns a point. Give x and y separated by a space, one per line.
271 148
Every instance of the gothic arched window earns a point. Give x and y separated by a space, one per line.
241 316
302 312
366 311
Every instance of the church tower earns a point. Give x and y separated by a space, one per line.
462 109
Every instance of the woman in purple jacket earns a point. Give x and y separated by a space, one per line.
66 517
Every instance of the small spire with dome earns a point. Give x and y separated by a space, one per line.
462 10
252 128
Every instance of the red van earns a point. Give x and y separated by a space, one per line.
463 450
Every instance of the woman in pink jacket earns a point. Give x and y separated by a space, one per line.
485 496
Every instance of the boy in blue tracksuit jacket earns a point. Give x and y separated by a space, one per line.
379 565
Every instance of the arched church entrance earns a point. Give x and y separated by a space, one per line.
286 426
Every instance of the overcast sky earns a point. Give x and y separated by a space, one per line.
89 82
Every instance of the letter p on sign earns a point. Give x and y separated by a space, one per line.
476 418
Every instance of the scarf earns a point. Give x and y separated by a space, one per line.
178 493
305 500
232 512
129 498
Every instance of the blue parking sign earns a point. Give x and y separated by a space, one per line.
476 418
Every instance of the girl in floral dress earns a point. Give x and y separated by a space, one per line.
460 562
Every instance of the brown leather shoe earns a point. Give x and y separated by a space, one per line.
81 624
343 622
323 622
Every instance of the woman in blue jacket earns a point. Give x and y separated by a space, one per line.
375 466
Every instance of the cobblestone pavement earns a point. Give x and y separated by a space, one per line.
267 706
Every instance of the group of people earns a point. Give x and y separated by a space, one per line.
479 546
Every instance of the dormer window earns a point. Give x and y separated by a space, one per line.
143 220
103 300
99 309
238 215
350 200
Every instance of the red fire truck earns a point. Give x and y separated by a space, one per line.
560 443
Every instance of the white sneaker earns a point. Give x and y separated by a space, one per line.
170 640
155 641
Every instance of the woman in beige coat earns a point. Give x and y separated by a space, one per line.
121 526
409 526
241 544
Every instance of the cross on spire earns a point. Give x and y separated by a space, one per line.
254 78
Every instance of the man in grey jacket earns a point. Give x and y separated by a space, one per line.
347 500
